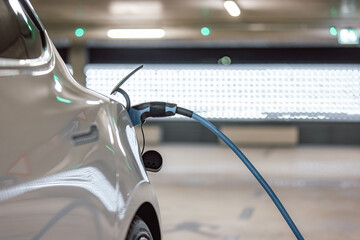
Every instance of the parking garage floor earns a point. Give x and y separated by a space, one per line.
205 192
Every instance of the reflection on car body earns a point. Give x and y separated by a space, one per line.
70 165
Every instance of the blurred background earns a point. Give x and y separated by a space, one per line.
280 77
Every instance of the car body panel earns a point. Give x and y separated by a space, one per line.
70 165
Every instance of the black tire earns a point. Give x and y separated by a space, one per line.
139 230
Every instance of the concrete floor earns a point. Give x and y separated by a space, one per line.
205 192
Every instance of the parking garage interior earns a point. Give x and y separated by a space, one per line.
281 79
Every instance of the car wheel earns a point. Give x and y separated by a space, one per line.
139 230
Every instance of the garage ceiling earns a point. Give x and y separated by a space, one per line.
261 23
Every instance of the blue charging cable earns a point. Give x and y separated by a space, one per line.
139 113
253 170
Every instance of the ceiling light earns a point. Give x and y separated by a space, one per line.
136 33
232 8
135 8
333 31
79 32
348 36
224 60
205 31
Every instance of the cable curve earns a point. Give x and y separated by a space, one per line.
253 170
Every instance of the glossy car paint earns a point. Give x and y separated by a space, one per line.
70 166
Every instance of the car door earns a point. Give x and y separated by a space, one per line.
58 174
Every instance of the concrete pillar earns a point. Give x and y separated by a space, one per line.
78 58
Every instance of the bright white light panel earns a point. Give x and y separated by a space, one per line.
242 92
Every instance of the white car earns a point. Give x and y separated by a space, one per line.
70 165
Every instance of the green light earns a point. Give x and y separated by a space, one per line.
205 12
110 149
205 31
224 60
56 78
128 165
27 23
334 12
79 32
333 31
64 100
